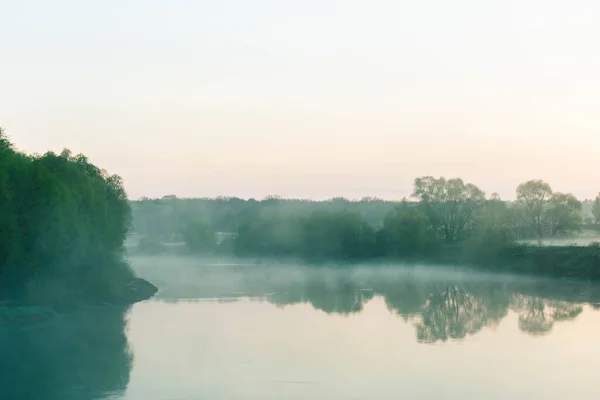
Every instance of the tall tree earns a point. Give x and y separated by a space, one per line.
564 213
495 213
534 196
450 207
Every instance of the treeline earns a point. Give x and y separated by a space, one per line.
63 222
447 217
166 218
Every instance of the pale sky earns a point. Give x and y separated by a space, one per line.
311 98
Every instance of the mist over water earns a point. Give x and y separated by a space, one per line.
224 328
254 331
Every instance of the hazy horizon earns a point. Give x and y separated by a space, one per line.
308 100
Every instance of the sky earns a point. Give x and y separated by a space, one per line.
312 98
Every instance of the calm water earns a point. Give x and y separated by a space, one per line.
243 332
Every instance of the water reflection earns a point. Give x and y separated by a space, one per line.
85 354
440 308
76 355
445 310
537 316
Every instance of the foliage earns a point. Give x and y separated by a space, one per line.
342 236
404 233
166 219
564 213
450 207
276 236
596 209
451 221
533 196
63 222
199 236
317 236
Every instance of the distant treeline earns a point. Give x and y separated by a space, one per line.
446 215
63 222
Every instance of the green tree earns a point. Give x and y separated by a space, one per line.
270 236
404 233
450 207
533 196
493 230
596 209
495 213
564 213
63 222
200 236
336 235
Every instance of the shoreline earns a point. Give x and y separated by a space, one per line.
578 263
136 290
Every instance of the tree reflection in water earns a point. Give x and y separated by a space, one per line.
440 309
85 354
72 356
451 312
537 316
339 297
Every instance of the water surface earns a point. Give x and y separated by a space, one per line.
258 332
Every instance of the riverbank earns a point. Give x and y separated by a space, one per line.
557 262
570 262
132 291
24 313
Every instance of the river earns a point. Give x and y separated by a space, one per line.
283 332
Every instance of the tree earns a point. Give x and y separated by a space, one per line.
493 230
404 233
495 213
199 236
450 207
268 236
534 196
63 223
564 213
596 209
339 235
